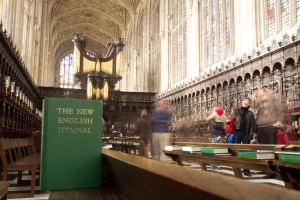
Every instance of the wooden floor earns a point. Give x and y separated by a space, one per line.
103 193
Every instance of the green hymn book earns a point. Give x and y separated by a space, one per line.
71 144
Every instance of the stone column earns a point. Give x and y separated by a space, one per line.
245 29
193 38
164 37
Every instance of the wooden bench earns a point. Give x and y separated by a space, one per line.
124 146
3 190
19 155
288 172
136 177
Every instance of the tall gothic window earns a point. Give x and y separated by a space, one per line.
218 28
228 34
214 30
66 72
285 14
207 33
179 40
271 17
221 29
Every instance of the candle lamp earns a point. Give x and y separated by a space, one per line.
20 96
31 106
17 93
23 99
25 102
12 88
7 83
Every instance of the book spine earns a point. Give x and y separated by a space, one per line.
211 154
44 145
207 150
289 158
246 150
186 152
248 155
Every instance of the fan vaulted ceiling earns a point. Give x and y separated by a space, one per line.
99 21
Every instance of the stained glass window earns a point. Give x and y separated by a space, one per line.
285 14
66 72
207 33
271 17
173 54
228 38
218 29
178 43
185 41
298 10
221 29
214 30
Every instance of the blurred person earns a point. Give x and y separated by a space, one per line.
120 132
112 130
103 127
244 126
269 118
143 128
160 135
218 115
217 123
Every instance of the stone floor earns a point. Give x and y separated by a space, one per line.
256 176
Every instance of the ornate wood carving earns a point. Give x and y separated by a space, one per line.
16 115
228 88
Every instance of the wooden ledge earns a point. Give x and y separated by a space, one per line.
136 177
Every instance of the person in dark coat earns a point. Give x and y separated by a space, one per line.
244 126
161 136
143 126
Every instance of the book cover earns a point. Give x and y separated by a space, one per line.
289 158
173 147
254 155
71 144
247 154
191 148
214 150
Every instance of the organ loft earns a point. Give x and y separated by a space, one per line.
137 56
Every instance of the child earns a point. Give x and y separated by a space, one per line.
218 115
